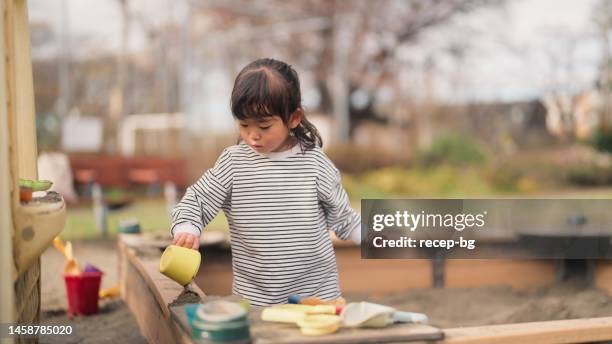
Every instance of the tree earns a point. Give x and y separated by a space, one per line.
602 16
376 29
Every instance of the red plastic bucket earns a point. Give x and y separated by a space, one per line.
82 291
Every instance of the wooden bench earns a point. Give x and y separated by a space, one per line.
117 171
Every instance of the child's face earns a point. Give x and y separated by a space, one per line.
266 135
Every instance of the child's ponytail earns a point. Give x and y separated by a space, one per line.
307 134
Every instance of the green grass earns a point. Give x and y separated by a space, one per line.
154 218
442 181
152 213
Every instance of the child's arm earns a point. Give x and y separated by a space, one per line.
341 218
201 203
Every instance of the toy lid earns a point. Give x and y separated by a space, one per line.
220 311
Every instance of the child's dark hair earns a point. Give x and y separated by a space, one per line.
268 87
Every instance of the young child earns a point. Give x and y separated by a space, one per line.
279 191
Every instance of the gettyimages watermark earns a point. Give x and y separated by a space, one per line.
487 228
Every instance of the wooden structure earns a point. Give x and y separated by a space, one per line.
264 332
383 276
117 171
589 330
25 229
148 294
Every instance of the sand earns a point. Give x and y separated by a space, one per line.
113 324
448 308
186 296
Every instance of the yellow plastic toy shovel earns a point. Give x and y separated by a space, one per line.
71 267
109 292
59 245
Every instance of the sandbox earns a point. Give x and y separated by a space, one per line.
534 299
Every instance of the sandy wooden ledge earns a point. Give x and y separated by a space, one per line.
148 293
589 330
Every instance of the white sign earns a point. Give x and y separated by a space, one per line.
82 134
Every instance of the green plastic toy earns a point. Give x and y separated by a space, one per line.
35 185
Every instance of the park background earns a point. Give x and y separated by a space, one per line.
415 99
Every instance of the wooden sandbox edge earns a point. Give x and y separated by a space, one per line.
586 330
147 294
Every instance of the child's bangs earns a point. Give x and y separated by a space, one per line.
260 94
257 111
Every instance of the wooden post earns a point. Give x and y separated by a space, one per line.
7 297
24 92
18 105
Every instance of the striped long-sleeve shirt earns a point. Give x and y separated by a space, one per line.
279 208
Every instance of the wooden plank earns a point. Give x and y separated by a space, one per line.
18 105
152 321
399 275
24 92
519 274
560 331
9 84
162 288
7 293
264 332
145 300
384 275
602 277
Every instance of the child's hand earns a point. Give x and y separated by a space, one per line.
186 240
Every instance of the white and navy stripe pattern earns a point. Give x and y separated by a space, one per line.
279 208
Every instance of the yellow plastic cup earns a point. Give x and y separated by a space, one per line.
180 263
